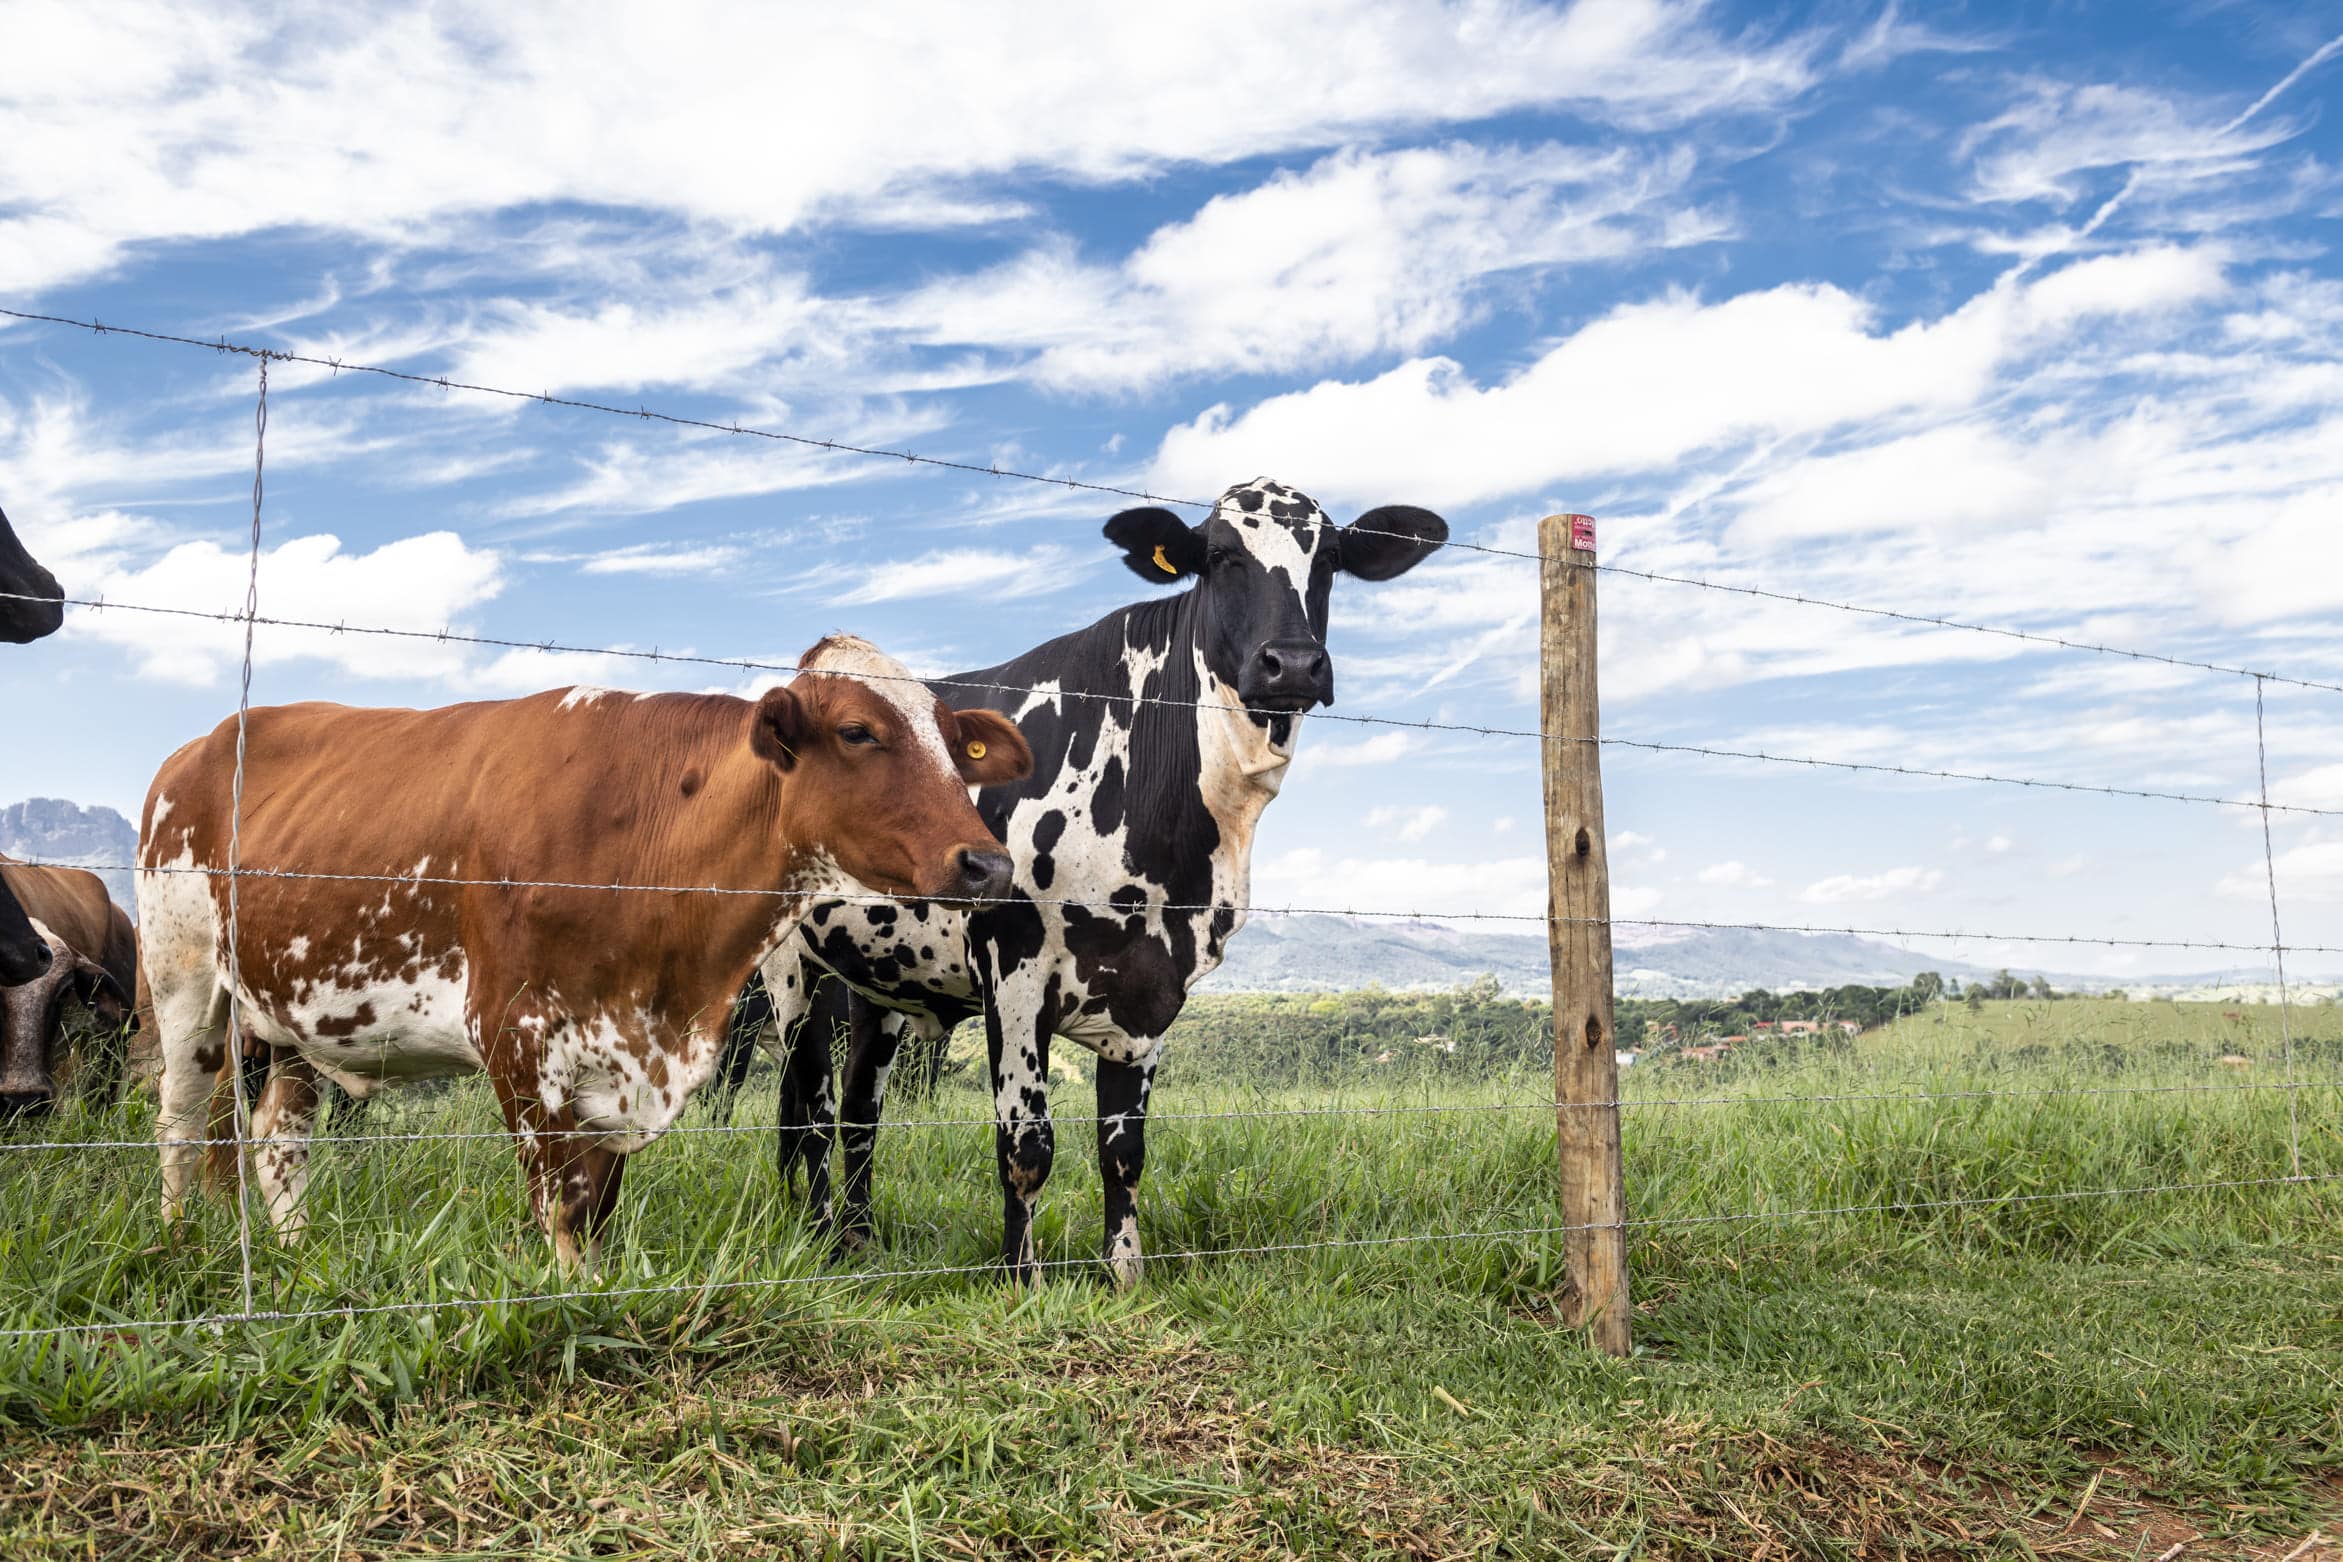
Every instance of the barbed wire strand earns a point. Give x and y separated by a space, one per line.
1189 1255
1155 1119
236 836
2277 935
647 414
678 420
964 903
1134 700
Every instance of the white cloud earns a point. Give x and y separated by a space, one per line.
1313 878
650 558
1363 252
1407 824
137 123
1844 887
423 583
947 572
1733 875
623 477
2038 150
1381 749
2312 872
1651 383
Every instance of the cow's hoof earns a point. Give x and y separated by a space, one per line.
1123 1259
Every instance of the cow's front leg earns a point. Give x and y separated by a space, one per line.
1122 1156
1017 1036
877 1037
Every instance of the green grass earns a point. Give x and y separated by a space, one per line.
1966 1372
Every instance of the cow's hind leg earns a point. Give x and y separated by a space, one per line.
1122 1157
192 1023
751 1017
281 1125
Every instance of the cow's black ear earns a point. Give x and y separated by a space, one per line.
1390 540
1157 544
777 728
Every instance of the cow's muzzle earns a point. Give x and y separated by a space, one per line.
1287 676
981 873
23 960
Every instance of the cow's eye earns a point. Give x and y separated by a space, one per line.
1218 557
856 733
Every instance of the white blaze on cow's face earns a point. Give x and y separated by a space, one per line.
893 808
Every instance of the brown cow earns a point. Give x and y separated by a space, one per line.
596 1012
93 956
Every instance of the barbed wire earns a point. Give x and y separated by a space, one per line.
1154 1119
914 458
1046 692
1175 908
679 420
1188 1255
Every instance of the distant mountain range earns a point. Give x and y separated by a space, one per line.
55 830
1328 953
1332 954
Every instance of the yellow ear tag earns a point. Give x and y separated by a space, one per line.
1164 564
976 751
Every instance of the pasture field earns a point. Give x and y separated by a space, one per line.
1983 1369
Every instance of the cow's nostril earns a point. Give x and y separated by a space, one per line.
984 875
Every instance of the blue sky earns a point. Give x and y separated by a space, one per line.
2022 315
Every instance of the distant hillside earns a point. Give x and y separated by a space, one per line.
59 831
1324 953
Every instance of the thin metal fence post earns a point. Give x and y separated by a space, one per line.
2278 946
235 1038
1586 1064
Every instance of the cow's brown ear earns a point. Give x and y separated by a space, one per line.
777 728
989 749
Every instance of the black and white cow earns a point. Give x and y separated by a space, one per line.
31 605
1159 735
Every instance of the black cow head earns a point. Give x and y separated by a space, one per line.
24 953
21 577
1264 563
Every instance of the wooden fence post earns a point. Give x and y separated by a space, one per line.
1578 902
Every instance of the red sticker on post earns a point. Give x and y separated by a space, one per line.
1582 533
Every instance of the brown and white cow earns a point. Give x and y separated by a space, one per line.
595 1012
93 957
